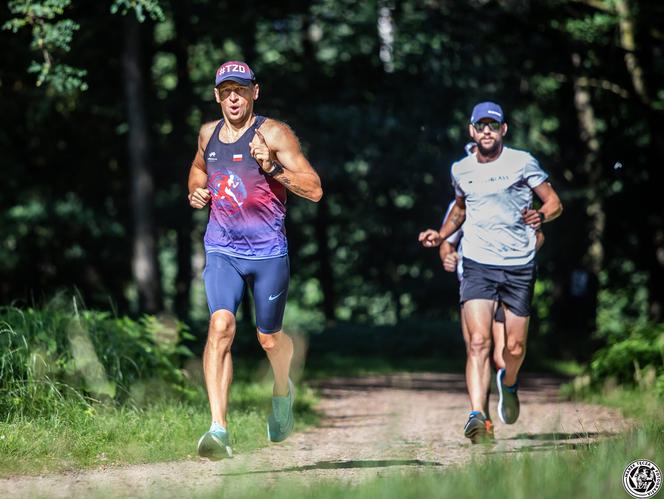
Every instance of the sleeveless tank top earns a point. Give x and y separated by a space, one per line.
247 208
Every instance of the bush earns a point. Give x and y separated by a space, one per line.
635 360
60 353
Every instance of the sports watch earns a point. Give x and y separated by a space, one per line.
275 170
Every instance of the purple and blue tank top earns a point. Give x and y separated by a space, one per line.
247 208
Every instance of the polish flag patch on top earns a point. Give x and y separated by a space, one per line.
237 157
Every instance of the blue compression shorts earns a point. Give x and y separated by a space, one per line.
227 276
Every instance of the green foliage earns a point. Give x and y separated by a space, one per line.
141 8
635 360
49 37
623 307
59 353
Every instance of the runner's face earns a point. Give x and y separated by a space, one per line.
488 135
237 101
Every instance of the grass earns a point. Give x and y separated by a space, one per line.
593 471
77 437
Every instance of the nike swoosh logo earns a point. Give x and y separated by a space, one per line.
274 297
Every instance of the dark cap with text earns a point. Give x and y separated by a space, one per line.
487 110
236 71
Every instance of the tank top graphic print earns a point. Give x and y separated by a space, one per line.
247 208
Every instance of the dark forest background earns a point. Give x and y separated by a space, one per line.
101 103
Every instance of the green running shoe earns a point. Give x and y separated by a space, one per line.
214 445
508 402
280 422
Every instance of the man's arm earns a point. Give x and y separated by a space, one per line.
539 240
430 237
448 256
199 195
551 206
275 141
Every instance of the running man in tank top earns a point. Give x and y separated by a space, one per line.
494 203
243 167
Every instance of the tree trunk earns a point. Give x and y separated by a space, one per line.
579 299
642 84
182 98
144 262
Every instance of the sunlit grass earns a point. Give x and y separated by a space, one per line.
77 437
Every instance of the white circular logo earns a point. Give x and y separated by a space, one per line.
642 478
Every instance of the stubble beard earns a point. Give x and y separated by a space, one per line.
490 151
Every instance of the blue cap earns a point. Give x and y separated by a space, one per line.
487 110
236 71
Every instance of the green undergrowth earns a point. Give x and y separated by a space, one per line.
76 437
83 388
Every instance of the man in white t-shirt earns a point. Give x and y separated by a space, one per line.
494 203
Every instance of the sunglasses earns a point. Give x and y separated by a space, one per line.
494 126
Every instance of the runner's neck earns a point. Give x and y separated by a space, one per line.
230 133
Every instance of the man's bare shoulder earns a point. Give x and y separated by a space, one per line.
276 131
207 129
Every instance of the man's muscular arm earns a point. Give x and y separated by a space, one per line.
275 141
430 237
551 207
199 195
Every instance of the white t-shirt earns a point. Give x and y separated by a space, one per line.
496 194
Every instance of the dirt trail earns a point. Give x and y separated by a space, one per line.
372 426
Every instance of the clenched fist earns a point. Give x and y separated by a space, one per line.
430 238
451 261
199 198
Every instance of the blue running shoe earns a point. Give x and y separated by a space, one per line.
478 428
280 422
508 401
214 445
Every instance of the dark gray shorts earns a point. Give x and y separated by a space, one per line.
513 285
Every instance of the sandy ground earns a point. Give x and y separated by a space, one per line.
371 426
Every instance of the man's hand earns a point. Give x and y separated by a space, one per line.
533 218
199 198
451 261
260 151
430 238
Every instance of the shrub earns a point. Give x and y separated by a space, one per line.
635 360
60 353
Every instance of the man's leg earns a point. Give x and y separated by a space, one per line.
487 375
224 286
516 333
218 364
279 349
516 292
271 279
478 315
498 333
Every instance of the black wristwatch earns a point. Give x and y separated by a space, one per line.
541 215
276 169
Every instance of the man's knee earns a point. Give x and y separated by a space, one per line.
479 345
516 348
222 329
271 342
